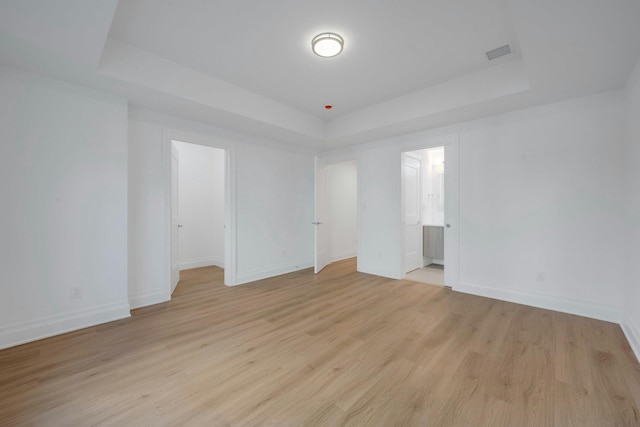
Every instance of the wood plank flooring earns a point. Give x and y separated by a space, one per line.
340 348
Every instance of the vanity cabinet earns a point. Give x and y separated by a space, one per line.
433 241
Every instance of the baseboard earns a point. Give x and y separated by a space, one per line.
21 333
343 255
266 273
201 262
566 305
631 332
368 269
151 298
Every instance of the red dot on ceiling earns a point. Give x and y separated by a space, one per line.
328 107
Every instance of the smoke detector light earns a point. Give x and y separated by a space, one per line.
327 44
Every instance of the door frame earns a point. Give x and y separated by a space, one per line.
453 217
321 227
230 190
174 225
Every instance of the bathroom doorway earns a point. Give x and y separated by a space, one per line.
428 217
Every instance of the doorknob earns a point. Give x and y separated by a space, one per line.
448 225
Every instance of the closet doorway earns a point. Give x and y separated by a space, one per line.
198 208
336 220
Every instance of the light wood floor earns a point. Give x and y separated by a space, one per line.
341 348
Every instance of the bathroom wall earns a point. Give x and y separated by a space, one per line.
433 186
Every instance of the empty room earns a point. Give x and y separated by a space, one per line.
297 213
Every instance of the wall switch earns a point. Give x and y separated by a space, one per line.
75 293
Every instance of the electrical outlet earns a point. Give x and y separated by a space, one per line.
75 293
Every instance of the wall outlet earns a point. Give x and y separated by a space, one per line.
540 276
75 293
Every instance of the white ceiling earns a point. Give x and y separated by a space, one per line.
407 64
392 48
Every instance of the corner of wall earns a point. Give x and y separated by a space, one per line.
376 271
149 298
632 205
340 256
631 332
201 262
266 273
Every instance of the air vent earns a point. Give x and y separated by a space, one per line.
498 52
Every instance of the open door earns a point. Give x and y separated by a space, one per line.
175 218
451 248
321 231
412 212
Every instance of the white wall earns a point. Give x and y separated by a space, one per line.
342 184
540 191
201 205
379 229
63 185
274 203
631 297
275 212
148 240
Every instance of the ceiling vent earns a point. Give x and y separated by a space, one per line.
498 52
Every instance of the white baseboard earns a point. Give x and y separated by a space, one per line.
368 269
201 262
24 332
593 310
632 333
339 256
265 273
151 298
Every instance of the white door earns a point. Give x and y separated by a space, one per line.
451 215
412 221
175 218
320 224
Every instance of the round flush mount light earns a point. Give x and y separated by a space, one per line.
327 44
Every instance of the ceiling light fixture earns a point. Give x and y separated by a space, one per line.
327 44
